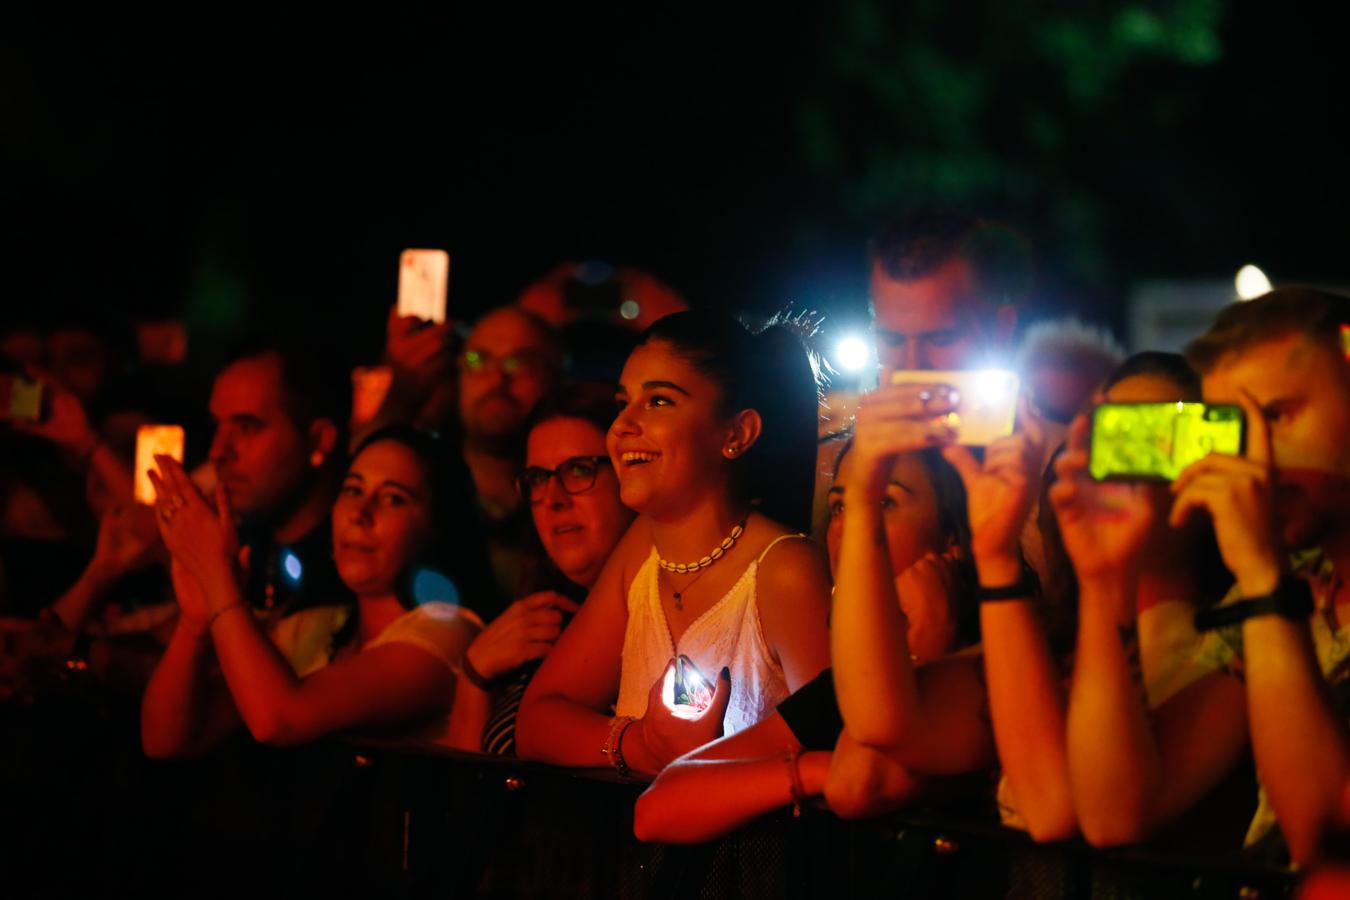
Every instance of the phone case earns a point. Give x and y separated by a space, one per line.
1156 441
423 277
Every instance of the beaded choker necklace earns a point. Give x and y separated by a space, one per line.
727 543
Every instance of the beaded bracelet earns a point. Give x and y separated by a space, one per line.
617 726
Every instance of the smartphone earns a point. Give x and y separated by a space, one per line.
370 384
986 401
20 398
1155 441
423 278
687 693
151 441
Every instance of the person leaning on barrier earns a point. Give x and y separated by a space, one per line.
1275 667
714 437
800 750
573 492
401 522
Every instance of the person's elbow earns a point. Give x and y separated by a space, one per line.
1116 826
1050 826
277 726
652 819
156 745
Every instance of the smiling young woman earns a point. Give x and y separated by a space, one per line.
714 447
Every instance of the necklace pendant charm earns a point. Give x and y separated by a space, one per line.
679 601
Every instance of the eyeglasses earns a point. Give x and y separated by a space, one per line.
475 362
575 475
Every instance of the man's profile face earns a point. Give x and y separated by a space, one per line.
932 322
261 456
1303 389
507 367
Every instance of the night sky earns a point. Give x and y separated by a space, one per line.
234 166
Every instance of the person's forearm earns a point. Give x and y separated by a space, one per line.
468 716
1299 742
1027 705
262 683
1113 755
73 607
554 729
174 708
695 800
115 474
873 672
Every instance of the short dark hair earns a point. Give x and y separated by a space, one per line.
772 372
590 401
1171 366
315 385
1316 314
920 243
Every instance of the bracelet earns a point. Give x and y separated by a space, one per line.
617 727
1292 599
1026 587
795 785
474 676
211 619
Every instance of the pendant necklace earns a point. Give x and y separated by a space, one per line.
701 565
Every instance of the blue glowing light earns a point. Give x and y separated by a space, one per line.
290 564
430 586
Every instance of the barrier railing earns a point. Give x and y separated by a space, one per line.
88 812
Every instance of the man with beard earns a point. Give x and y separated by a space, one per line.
510 361
1275 666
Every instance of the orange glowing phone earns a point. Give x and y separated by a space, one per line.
423 279
151 441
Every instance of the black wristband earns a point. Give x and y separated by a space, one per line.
1026 587
1292 599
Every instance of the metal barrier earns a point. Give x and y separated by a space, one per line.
87 812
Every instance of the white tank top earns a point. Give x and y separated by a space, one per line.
728 633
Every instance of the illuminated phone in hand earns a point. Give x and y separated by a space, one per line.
423 278
1156 441
151 441
687 693
986 401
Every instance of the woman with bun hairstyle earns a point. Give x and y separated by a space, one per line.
714 445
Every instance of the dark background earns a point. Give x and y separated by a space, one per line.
225 166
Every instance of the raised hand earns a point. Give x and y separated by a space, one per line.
896 419
666 735
526 630
66 424
127 537
201 539
999 495
1236 491
420 354
1104 524
926 590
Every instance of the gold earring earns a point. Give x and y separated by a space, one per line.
316 459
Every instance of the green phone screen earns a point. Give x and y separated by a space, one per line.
1159 440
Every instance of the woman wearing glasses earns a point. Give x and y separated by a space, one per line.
714 447
573 494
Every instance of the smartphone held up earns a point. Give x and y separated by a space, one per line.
1156 441
152 441
685 691
423 279
985 399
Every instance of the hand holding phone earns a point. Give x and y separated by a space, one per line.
423 279
1156 441
20 398
984 401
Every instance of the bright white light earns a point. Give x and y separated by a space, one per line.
851 353
1251 283
994 386
630 309
291 564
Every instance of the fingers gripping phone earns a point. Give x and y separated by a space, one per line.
20 398
1156 441
986 401
423 278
